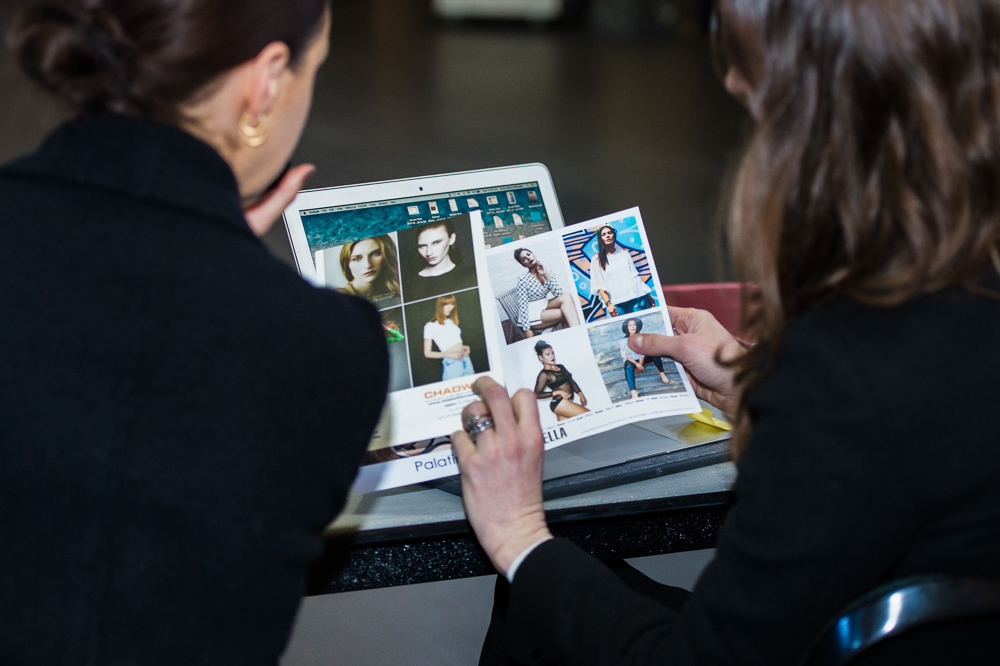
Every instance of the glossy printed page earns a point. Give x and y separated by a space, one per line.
557 310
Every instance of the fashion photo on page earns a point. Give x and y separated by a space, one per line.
533 289
445 337
368 268
611 269
627 374
436 258
564 378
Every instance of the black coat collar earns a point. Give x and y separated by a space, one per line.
142 158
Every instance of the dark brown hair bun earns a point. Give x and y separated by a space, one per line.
149 57
81 56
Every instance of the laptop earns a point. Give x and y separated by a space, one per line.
515 201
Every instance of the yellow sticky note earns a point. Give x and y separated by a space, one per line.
706 417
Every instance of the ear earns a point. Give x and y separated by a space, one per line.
263 77
452 240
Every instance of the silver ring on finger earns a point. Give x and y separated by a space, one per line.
477 424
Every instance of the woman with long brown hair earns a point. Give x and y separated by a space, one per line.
181 412
614 278
865 218
370 268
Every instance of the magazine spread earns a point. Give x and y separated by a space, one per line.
423 279
550 312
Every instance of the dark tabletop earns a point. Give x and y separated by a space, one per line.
418 534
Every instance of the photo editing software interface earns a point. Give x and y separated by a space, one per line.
510 213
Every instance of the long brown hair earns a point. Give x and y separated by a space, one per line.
387 281
148 57
602 248
874 170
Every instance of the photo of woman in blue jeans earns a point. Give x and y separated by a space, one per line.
634 361
444 332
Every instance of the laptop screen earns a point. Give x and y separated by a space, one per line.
510 213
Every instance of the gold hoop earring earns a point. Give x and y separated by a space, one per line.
253 135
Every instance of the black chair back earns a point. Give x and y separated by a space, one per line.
925 620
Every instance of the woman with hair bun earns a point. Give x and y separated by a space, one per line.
556 384
866 222
181 411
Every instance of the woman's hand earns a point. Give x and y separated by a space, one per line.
583 400
639 366
529 333
262 215
502 473
699 337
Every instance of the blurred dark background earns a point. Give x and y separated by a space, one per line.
617 97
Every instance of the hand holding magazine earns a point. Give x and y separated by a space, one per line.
554 312
481 279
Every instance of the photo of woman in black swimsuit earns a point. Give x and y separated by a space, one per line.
556 383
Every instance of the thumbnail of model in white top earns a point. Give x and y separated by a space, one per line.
617 282
445 336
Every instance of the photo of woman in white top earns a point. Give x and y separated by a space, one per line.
370 268
614 278
443 331
535 285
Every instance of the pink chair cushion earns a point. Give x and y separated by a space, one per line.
722 299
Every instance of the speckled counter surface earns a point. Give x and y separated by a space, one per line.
417 535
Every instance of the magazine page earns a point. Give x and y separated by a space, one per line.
558 308
424 280
566 303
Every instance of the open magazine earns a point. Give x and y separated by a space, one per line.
550 312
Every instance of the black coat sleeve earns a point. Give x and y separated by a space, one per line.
333 370
820 518
358 356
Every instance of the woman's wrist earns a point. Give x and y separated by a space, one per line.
516 564
514 544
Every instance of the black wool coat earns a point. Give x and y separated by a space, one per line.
180 413
874 456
